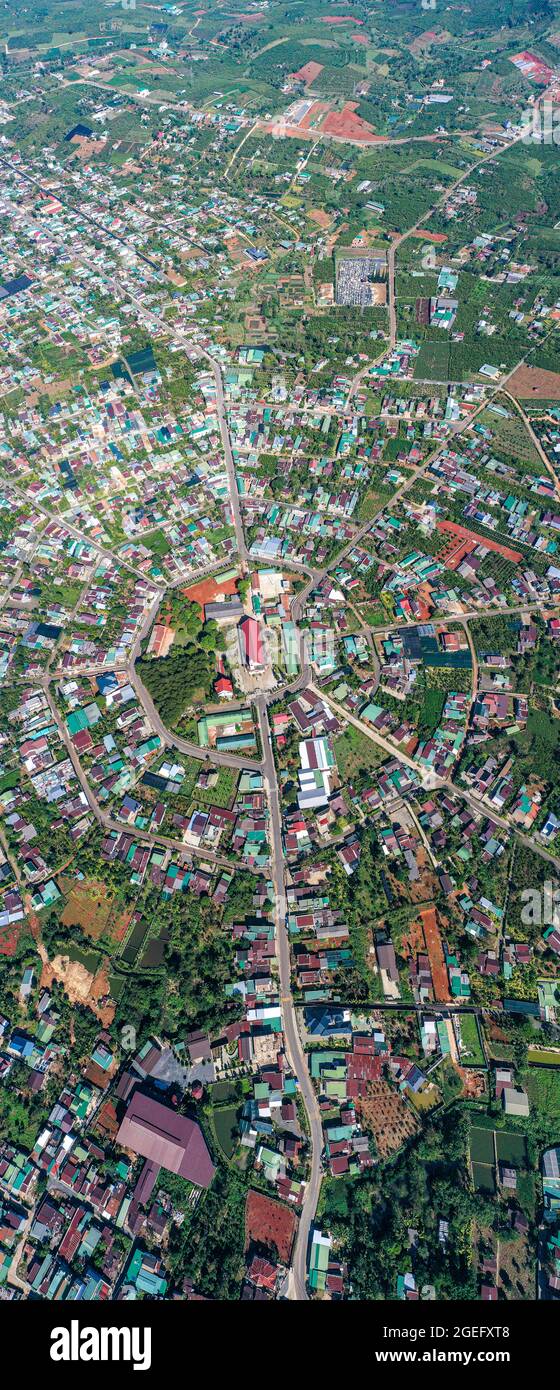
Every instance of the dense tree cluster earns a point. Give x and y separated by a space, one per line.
175 680
425 1183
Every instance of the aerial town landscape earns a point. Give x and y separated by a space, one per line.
280 651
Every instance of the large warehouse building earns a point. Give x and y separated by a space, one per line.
167 1139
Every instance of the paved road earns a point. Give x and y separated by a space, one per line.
421 223
296 1054
431 782
484 808
408 482
474 659
109 822
61 520
78 210
172 740
293 1041
230 465
428 779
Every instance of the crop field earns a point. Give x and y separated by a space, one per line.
9 937
511 435
91 906
280 324
483 1177
511 1148
432 363
388 1116
482 1146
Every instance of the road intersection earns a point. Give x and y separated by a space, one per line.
266 763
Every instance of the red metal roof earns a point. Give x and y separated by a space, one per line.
170 1140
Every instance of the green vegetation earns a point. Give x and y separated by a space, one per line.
225 1121
473 1055
208 1247
356 755
430 712
178 680
425 1183
215 237
543 1089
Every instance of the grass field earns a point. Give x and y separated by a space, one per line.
225 1125
354 751
511 1148
473 1056
335 1198
483 1177
543 1088
223 1092
482 1146
221 793
549 1059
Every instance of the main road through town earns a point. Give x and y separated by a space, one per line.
294 1048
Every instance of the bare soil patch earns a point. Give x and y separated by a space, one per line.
92 991
528 383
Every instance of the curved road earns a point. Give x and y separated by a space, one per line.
294 1047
